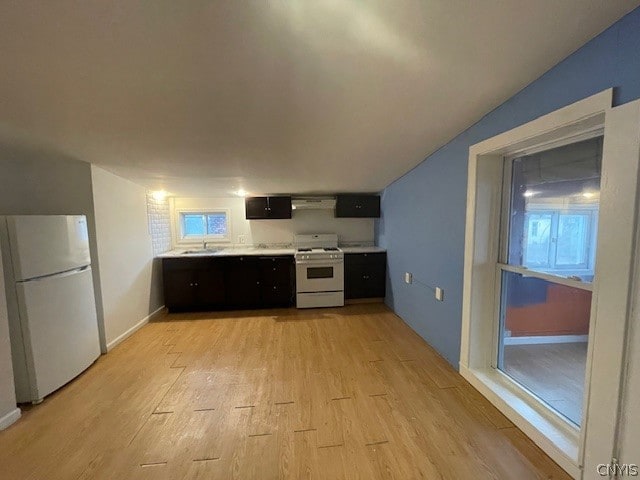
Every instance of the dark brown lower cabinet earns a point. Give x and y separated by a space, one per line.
365 275
196 283
219 283
243 282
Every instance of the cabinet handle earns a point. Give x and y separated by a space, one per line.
275 288
358 206
274 269
195 284
366 277
257 283
191 284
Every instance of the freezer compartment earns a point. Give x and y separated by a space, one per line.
59 328
47 244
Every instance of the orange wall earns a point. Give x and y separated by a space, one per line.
566 312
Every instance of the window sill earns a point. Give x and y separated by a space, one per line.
557 437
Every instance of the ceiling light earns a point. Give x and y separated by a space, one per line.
588 194
529 193
241 192
159 195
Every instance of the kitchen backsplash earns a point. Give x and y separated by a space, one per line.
159 215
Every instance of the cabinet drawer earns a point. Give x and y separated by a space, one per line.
187 263
276 295
275 270
379 259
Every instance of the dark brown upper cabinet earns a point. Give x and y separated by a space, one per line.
358 206
267 208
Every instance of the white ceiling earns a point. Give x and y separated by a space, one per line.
205 97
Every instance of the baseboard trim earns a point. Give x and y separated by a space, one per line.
535 340
120 338
10 418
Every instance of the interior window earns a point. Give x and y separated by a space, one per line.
547 268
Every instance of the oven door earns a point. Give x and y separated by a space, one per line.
319 276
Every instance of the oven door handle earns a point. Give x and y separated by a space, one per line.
321 263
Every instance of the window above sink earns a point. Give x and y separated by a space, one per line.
210 226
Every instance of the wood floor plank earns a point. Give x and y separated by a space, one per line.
285 394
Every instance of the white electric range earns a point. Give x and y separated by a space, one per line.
319 271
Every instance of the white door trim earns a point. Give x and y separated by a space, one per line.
612 285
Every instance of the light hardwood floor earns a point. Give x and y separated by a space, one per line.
554 372
336 393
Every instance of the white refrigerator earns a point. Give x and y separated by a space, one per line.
50 301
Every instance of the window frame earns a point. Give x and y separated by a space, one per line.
574 450
505 207
560 276
182 239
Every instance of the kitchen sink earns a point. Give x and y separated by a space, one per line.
200 251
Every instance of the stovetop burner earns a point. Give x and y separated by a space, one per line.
317 246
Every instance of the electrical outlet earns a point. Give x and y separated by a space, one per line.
439 294
408 277
241 239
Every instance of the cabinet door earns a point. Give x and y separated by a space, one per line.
279 207
260 208
210 291
358 206
364 275
375 281
242 282
179 289
353 281
256 208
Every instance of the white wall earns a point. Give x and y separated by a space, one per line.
278 231
8 411
131 286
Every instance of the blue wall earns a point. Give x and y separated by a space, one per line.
423 212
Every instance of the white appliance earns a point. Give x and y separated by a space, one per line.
319 271
313 203
51 304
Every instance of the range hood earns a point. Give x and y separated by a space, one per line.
313 203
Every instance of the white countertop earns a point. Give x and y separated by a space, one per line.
236 252
370 249
226 252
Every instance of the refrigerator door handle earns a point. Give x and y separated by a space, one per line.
66 273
